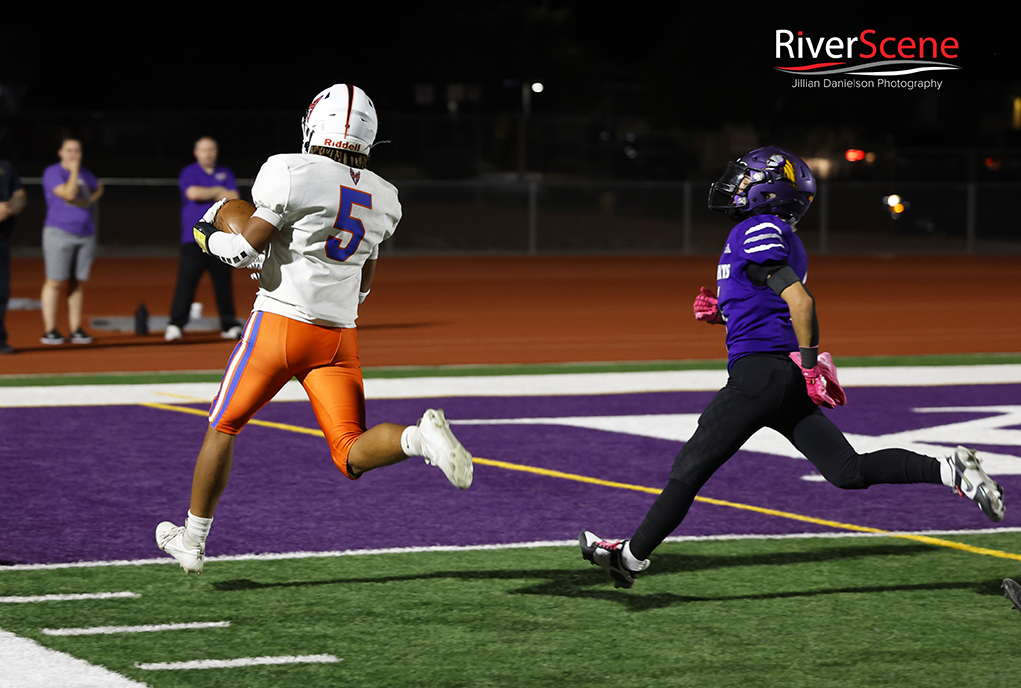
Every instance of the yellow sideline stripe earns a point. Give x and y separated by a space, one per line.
179 409
567 476
758 509
264 423
939 542
184 398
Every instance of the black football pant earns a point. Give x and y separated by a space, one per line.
192 264
768 391
5 283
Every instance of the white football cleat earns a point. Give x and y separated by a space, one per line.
972 482
171 539
440 448
173 333
609 556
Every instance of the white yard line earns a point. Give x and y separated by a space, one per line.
278 556
505 385
235 663
150 628
18 599
27 664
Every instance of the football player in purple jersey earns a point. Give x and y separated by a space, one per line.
777 377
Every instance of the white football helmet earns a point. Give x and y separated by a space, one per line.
341 116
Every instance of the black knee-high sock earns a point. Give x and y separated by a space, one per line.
665 514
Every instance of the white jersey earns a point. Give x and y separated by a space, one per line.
330 219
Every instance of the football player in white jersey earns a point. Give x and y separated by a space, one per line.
319 219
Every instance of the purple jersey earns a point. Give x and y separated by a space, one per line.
758 320
61 214
192 211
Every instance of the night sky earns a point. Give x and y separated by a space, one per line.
697 68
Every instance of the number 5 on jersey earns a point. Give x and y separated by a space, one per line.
352 231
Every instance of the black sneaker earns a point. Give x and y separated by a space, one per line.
6 348
79 336
609 557
52 337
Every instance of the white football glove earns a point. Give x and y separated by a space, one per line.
213 210
256 267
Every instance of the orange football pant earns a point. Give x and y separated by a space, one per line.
272 350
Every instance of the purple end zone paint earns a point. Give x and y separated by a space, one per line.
92 483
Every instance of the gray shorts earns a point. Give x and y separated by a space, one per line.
67 254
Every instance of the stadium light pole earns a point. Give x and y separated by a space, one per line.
527 89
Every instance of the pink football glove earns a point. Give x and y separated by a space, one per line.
821 381
707 308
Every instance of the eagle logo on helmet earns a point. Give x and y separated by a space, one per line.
781 165
767 180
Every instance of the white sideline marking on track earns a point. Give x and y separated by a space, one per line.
27 664
242 662
16 599
273 556
510 385
152 628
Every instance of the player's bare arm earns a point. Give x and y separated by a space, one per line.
368 272
783 280
258 233
802 307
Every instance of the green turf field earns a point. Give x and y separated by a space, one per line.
855 609
849 611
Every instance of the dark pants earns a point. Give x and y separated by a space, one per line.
192 264
5 282
768 391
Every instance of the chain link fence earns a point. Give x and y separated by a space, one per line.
538 216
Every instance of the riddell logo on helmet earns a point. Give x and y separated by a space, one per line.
343 145
865 55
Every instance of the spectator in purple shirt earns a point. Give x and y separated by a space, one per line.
69 239
203 183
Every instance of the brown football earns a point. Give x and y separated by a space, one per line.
233 216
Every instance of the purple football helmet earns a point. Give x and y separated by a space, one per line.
766 181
